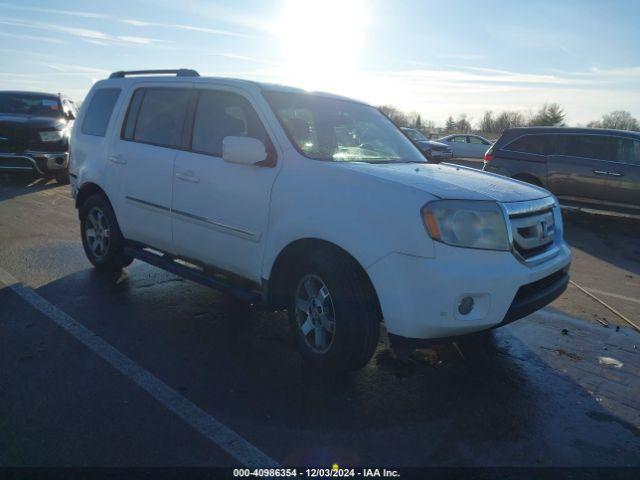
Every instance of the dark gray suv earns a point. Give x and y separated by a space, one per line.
590 167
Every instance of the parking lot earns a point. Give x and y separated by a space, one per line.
558 388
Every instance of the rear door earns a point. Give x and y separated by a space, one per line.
578 167
142 153
458 145
477 146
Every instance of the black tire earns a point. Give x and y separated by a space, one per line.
110 258
62 179
355 311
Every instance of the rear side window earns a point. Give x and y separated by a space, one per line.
156 116
598 147
477 141
628 150
99 112
529 144
223 114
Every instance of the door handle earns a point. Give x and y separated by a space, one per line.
615 174
117 159
600 172
187 177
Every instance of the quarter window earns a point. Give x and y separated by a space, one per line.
156 116
628 150
223 114
536 144
99 112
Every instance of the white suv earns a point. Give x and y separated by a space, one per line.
312 203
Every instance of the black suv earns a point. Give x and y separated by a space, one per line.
34 133
590 167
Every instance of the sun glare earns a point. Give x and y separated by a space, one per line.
322 42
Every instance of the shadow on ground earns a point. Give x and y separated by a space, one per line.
614 240
483 403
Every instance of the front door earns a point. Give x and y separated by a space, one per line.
221 209
624 172
144 152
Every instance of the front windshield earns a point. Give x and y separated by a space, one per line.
326 128
30 104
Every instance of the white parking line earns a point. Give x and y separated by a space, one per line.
212 429
614 295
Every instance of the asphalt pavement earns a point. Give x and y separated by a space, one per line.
148 369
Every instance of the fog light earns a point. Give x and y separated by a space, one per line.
466 305
60 161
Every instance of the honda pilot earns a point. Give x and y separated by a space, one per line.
311 203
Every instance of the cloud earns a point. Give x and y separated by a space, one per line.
246 18
38 38
245 57
179 26
130 21
461 56
94 36
74 13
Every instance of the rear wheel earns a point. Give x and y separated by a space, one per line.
101 238
333 312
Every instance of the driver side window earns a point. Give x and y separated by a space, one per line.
222 114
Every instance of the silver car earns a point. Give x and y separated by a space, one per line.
467 146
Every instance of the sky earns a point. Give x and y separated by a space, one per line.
437 58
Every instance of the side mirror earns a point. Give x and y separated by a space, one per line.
243 150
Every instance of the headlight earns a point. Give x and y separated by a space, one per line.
52 135
469 224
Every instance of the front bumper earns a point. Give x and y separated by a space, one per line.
419 297
42 163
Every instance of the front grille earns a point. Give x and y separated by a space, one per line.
14 138
533 228
15 163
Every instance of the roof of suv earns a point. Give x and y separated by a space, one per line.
537 130
237 82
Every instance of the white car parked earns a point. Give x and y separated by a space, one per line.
467 146
312 203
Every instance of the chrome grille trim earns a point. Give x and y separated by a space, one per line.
541 216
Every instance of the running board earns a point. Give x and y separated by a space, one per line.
167 263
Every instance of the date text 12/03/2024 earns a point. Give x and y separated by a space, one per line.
334 472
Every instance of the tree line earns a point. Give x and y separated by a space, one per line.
550 114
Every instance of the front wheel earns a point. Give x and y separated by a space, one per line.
333 312
101 238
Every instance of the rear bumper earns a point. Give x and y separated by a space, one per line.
42 163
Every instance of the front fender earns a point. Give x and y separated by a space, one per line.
365 216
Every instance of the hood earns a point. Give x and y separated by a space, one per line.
450 181
30 121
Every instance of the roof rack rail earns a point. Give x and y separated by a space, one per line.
181 72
